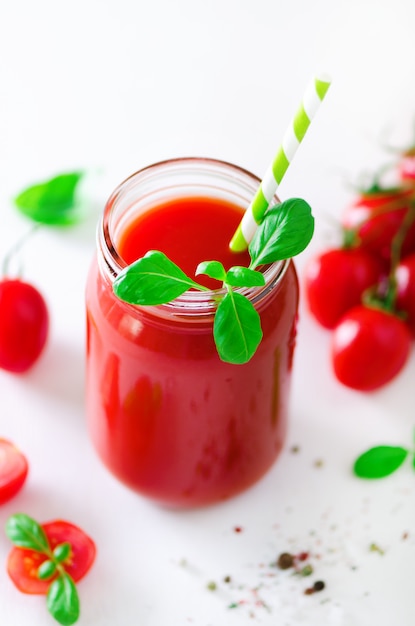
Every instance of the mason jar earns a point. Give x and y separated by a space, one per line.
167 416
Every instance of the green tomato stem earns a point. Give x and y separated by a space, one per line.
15 249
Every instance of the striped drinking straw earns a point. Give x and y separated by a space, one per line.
294 135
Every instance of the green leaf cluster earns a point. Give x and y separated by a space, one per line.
62 598
154 279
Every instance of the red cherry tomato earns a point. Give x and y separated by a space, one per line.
375 219
24 325
335 281
369 348
13 470
405 278
23 564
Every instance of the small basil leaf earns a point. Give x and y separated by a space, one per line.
46 570
236 328
379 461
285 231
25 532
214 269
51 202
63 600
62 551
244 277
151 280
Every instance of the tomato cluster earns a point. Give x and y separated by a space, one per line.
364 290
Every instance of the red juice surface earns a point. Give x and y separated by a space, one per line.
166 415
188 230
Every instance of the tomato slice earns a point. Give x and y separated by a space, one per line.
13 470
23 564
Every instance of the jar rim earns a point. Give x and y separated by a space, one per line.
191 302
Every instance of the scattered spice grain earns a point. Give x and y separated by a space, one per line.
319 585
285 560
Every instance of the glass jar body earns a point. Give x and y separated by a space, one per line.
166 415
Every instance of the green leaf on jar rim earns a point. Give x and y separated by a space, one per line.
25 532
63 600
213 269
236 329
379 462
153 279
238 276
52 202
285 231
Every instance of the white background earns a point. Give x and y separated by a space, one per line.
111 86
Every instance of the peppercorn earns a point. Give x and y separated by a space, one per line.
285 560
319 585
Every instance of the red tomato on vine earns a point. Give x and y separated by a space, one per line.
369 348
375 218
335 281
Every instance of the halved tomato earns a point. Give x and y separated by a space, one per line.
23 564
13 470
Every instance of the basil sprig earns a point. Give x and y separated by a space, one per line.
62 597
53 201
285 231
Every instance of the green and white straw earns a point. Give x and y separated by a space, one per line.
294 135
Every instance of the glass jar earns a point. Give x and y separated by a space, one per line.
166 415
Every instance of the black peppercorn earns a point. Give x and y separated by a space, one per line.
319 585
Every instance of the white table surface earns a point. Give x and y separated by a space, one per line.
111 86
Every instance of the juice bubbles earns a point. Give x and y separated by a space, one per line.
166 415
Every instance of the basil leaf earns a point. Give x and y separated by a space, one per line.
214 269
236 328
244 277
51 202
153 279
63 600
379 461
46 570
25 532
62 551
285 231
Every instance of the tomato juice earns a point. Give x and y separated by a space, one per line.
166 415
188 230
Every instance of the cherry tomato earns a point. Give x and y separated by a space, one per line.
13 470
405 278
23 564
369 348
335 281
24 325
375 219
